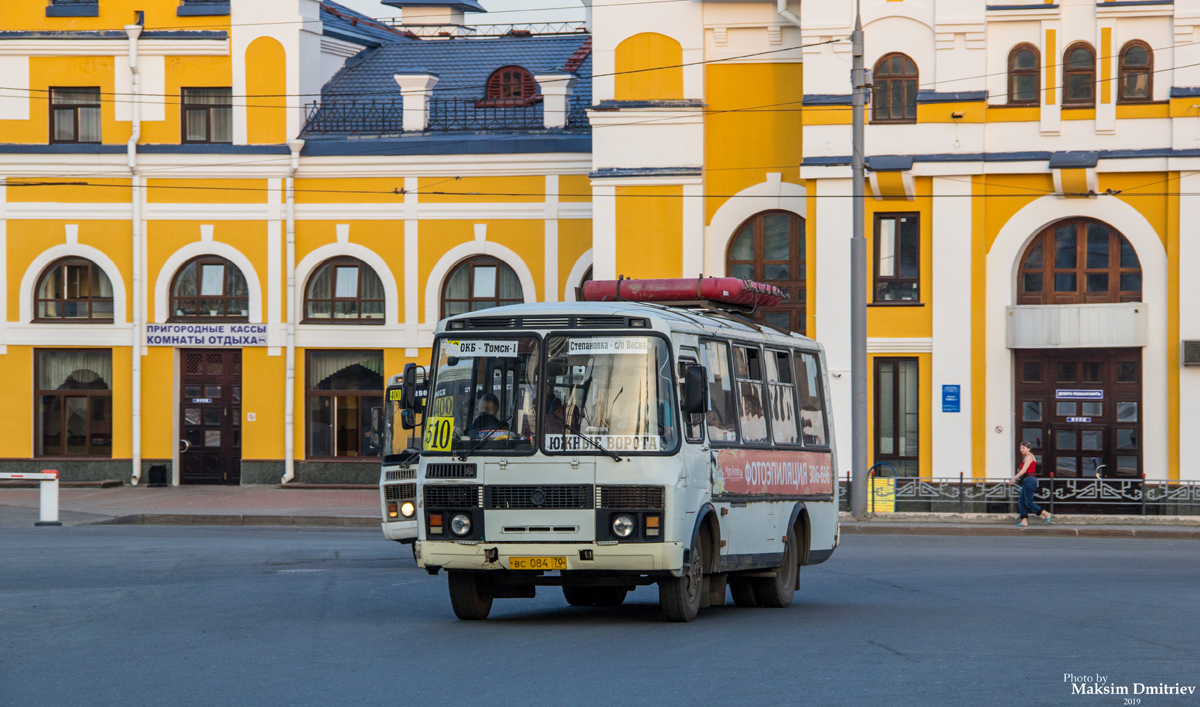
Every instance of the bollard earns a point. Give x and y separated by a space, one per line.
1144 493
49 500
48 494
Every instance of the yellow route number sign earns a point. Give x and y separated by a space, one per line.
439 434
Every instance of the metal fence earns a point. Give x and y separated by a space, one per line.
379 117
1084 496
372 116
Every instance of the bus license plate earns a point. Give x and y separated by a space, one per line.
537 563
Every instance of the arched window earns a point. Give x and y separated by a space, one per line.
1137 73
209 288
769 247
74 289
1079 261
894 98
344 291
1079 75
511 86
480 283
1024 75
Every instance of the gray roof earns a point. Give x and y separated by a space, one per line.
343 23
464 5
463 65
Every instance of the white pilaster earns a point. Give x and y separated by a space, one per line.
1189 328
1052 114
551 269
833 302
275 236
1106 113
604 232
951 302
693 230
412 285
3 270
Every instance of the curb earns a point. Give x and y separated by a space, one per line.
1004 519
876 528
241 520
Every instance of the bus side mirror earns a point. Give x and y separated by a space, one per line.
695 390
409 386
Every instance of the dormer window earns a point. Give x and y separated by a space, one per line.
510 86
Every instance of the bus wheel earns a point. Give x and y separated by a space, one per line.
578 596
778 591
609 596
470 595
743 592
680 596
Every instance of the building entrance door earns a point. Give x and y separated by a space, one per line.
210 435
1080 409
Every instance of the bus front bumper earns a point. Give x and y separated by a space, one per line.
404 531
627 557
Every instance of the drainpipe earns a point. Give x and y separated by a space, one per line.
782 11
133 32
289 391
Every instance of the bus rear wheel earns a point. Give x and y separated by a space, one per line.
680 596
470 595
777 591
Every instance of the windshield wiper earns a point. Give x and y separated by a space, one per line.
462 456
566 425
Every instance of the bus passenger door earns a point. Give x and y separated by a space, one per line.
696 472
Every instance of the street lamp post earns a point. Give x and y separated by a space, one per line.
858 283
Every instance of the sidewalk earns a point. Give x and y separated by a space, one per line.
199 505
270 505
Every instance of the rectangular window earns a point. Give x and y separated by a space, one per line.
752 408
897 258
693 425
810 387
207 115
780 389
721 416
345 403
75 115
897 408
74 403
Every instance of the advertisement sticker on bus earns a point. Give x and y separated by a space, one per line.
608 345
473 349
771 472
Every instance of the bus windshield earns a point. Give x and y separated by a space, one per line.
615 390
482 396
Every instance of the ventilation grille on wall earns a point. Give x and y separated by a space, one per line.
1191 353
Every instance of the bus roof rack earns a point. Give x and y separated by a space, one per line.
724 294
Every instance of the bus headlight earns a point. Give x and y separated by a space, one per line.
408 509
460 524
623 526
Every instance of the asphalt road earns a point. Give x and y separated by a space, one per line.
143 615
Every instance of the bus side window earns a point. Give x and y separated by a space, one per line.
721 416
782 399
812 401
747 367
693 425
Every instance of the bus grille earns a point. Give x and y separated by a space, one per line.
630 497
547 497
450 471
400 492
400 474
453 496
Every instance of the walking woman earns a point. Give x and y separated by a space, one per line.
1027 475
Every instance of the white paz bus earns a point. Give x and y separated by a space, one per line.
603 445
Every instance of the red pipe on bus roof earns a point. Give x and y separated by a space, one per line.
722 290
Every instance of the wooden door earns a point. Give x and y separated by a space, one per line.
210 416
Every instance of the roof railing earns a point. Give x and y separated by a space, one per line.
488 30
385 116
